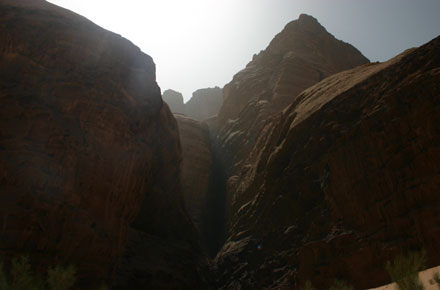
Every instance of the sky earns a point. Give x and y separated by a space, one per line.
202 43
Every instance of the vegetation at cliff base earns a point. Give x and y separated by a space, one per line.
404 270
22 277
341 285
308 286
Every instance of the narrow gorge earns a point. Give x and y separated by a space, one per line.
311 164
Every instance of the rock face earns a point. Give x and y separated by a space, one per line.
301 55
202 182
86 148
196 168
204 103
175 101
340 181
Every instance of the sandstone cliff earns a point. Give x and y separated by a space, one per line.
341 180
301 55
202 182
175 101
196 168
87 147
204 103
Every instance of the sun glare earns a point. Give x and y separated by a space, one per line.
174 33
203 43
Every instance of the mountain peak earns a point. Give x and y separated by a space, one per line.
307 23
305 17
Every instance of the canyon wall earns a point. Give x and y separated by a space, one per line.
89 154
340 181
202 182
323 168
301 55
196 168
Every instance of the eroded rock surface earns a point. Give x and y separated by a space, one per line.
203 182
343 179
196 167
298 57
87 147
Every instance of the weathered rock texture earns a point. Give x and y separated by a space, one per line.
86 147
175 101
196 167
347 177
301 55
202 182
204 103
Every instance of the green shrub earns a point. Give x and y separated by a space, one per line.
308 286
3 280
341 285
23 278
404 270
60 278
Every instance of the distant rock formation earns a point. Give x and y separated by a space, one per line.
89 154
175 101
303 54
340 181
205 103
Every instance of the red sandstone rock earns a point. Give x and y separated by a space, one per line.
204 103
298 57
87 147
343 179
196 168
202 182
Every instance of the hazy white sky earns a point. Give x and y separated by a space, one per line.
203 43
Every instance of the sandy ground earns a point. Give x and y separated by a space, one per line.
425 276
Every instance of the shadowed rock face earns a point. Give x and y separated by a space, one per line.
196 168
347 177
202 182
298 57
87 147
204 103
175 101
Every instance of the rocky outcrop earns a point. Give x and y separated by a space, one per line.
175 101
347 177
301 55
87 147
204 103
